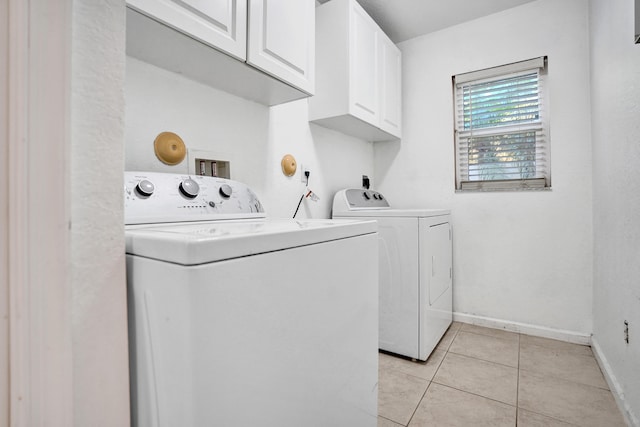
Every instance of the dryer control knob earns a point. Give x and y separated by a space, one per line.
226 190
189 188
366 195
145 188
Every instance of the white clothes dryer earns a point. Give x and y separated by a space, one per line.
416 274
240 320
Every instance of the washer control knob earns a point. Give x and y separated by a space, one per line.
212 204
226 190
380 196
189 188
366 195
145 188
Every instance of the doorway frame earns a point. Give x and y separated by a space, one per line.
35 214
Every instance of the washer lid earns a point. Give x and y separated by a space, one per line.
204 242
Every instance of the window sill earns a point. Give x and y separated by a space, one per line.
528 184
501 190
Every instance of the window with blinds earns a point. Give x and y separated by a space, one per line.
501 130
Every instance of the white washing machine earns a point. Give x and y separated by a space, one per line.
415 251
239 320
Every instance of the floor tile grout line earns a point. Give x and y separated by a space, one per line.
487 335
474 394
532 344
544 374
419 402
483 360
446 351
464 391
389 419
398 371
562 350
452 339
401 371
425 391
550 416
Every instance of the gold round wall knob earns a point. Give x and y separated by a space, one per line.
169 148
289 165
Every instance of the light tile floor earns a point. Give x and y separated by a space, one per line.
488 377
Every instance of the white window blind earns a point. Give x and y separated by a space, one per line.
501 128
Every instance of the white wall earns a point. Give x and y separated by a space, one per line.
615 78
519 257
100 356
254 137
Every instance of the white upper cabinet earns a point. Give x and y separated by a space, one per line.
263 50
219 23
390 87
282 40
358 80
364 75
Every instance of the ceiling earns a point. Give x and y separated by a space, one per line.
405 19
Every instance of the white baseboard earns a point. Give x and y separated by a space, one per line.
614 385
524 328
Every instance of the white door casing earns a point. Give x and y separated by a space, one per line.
4 220
35 153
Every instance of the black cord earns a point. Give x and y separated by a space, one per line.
306 173
299 203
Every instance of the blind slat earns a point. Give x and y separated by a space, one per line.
511 88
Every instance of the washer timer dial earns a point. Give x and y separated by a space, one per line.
145 188
189 188
226 190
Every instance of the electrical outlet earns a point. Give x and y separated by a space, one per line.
304 168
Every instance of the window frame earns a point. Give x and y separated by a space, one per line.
538 65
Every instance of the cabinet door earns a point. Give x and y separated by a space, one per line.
390 87
364 89
282 40
221 24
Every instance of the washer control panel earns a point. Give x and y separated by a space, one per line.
365 199
157 197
